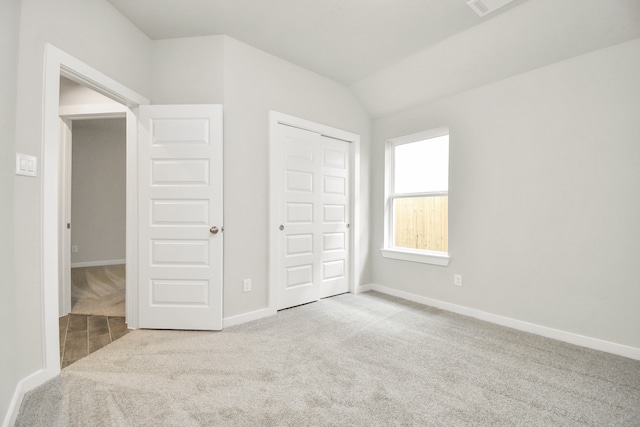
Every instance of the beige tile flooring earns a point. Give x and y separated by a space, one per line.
81 335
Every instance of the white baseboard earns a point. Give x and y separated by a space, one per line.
363 288
247 317
569 337
98 263
25 385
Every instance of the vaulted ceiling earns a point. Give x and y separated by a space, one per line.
395 54
345 40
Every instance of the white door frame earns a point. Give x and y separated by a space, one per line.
69 114
275 119
64 274
58 63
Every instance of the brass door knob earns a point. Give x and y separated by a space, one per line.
213 230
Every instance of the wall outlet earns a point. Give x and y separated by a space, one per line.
246 285
457 279
74 249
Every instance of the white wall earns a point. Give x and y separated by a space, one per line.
254 83
95 33
9 334
72 93
544 200
187 71
98 196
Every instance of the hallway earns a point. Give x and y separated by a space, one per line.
81 335
97 315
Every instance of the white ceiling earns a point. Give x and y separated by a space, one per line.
346 40
535 34
395 54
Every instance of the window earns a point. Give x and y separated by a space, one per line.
417 198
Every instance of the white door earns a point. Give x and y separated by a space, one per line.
180 217
313 242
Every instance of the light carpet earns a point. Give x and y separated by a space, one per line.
357 360
98 291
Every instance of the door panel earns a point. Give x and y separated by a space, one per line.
180 199
334 254
179 212
314 202
298 241
299 213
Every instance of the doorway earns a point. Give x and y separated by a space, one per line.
93 210
57 64
98 217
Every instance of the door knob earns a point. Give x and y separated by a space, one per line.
213 230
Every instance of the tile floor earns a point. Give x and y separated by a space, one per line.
81 335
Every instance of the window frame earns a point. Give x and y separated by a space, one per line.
389 250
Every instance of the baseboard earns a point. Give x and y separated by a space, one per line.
247 317
25 385
98 263
569 337
363 288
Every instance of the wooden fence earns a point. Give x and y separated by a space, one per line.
422 223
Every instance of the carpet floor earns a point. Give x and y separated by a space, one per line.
356 360
98 291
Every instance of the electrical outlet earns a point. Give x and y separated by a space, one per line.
457 279
246 285
74 249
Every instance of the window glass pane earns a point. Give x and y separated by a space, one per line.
422 167
421 223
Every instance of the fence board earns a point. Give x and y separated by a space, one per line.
422 223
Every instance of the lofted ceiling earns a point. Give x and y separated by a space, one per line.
395 54
345 40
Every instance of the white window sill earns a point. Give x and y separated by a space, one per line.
424 257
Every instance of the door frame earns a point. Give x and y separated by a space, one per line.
58 63
275 119
68 115
64 256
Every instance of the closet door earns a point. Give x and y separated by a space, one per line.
313 193
334 217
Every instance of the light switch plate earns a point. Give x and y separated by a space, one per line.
26 165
